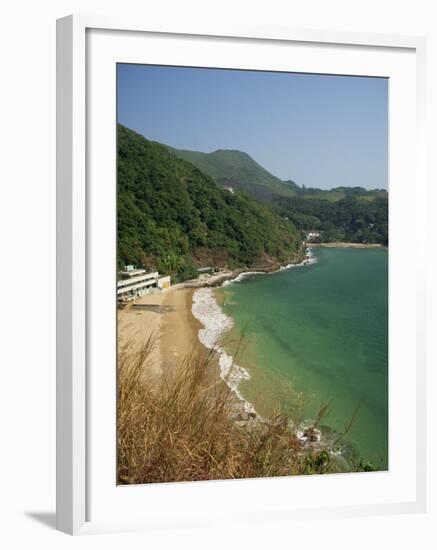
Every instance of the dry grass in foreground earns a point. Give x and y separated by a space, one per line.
182 427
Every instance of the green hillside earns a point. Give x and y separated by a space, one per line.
348 219
351 214
237 169
173 217
340 193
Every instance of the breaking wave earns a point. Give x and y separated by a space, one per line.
216 323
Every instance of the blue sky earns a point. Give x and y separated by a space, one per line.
318 130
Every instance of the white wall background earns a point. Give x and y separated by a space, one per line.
27 230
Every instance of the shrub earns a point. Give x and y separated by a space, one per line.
183 426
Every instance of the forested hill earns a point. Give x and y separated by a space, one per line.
349 219
173 217
238 170
231 168
351 214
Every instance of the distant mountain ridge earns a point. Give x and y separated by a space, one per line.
181 209
351 214
237 169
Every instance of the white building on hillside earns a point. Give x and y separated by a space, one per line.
312 235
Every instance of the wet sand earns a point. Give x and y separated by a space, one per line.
178 329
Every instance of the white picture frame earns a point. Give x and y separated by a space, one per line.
74 462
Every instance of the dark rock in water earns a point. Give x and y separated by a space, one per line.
311 434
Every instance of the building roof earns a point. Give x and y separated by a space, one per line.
138 279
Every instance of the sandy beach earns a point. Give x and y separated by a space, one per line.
345 245
178 328
167 319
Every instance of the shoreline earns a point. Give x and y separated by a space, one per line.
179 320
208 311
216 324
243 411
219 279
190 321
178 330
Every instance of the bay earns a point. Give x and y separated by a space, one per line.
318 334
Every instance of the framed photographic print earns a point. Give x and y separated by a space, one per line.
240 301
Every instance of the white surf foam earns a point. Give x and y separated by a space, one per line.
302 432
308 260
245 274
216 323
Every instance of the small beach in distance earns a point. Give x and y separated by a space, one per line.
346 245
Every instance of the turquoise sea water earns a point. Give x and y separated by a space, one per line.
321 332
